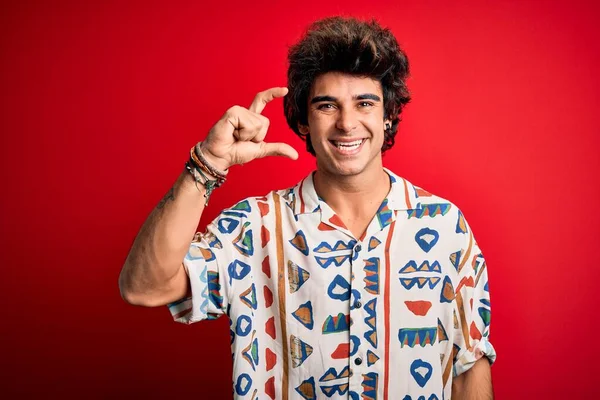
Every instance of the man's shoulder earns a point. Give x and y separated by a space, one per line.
421 199
427 197
258 206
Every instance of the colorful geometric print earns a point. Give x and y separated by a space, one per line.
250 353
336 323
408 283
340 245
290 198
461 224
478 262
270 359
243 325
243 242
455 259
237 270
304 314
243 384
384 215
371 322
354 344
369 384
340 389
248 297
214 289
485 315
200 253
227 225
427 238
373 243
211 239
299 242
297 276
417 336
431 397
300 351
418 307
234 214
270 387
430 210
447 295
339 289
372 358
421 371
331 374
313 305
325 262
307 389
411 266
204 294
243 206
371 278
442 335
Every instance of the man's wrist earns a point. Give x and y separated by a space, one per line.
215 162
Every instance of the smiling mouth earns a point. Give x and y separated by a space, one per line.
348 146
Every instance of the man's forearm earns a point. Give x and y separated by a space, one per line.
475 384
154 261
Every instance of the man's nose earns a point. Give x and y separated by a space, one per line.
347 120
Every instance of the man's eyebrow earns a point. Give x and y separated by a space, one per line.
364 96
318 99
367 96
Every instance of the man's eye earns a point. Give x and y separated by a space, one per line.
365 104
326 106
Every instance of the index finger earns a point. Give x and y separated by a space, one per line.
262 98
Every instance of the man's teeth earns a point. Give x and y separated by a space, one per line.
348 145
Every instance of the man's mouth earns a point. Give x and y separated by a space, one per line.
347 146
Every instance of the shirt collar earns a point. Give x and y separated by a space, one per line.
403 195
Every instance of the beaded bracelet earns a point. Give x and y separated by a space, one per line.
198 175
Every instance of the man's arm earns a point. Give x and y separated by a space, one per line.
153 273
474 384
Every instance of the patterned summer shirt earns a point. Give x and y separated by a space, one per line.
317 313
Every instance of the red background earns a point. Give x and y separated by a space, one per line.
101 102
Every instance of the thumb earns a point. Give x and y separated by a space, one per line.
279 149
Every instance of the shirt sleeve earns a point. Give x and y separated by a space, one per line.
204 262
472 314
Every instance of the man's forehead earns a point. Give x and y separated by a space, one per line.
339 84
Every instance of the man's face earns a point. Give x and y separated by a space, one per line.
346 123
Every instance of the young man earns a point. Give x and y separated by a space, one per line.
352 284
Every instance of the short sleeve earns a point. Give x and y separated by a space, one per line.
472 314
204 262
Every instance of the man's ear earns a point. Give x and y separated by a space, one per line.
303 129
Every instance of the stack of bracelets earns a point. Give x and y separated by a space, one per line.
202 171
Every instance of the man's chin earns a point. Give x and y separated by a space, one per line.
343 170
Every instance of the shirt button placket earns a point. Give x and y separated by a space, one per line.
356 325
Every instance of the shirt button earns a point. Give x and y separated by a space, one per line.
357 248
357 304
358 361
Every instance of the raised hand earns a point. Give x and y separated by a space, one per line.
238 137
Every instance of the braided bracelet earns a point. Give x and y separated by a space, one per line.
213 170
194 159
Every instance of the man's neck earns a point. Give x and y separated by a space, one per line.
358 195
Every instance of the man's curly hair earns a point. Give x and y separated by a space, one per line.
348 45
